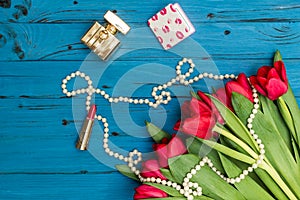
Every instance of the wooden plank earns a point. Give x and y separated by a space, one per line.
66 186
43 79
139 12
220 40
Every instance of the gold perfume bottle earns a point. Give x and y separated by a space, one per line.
101 39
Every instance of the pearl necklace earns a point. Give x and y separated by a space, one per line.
188 188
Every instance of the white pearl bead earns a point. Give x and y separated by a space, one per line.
237 180
202 163
232 76
250 169
105 135
190 198
242 176
116 155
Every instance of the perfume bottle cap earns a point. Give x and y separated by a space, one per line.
117 22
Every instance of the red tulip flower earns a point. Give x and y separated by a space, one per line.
198 117
169 149
147 191
241 85
221 95
271 81
151 169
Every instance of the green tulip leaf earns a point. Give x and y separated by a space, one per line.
272 114
156 133
234 123
248 187
225 141
167 174
277 56
272 186
196 147
126 171
206 178
167 189
293 107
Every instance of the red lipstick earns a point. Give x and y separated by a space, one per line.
86 129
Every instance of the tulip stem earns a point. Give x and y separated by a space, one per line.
284 110
276 177
233 138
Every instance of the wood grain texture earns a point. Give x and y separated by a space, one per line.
40 44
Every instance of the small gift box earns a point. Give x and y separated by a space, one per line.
171 25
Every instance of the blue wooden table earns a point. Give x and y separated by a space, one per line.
40 45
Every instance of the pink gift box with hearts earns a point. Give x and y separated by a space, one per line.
171 25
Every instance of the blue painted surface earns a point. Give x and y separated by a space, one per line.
39 45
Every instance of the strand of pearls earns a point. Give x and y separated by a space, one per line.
188 188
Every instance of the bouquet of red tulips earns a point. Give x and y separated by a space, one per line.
242 142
